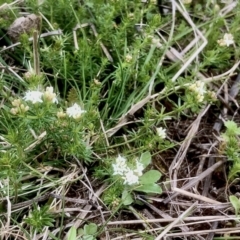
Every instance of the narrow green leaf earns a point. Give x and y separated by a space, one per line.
145 159
151 176
149 188
235 202
72 234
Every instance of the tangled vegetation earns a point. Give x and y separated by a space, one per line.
119 119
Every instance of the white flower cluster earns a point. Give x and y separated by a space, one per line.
128 58
161 132
155 41
33 96
18 107
226 40
199 89
75 111
37 96
130 177
49 95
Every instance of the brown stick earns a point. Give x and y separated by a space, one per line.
196 180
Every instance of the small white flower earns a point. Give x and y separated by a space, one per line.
199 89
131 16
24 108
128 58
161 132
156 42
16 102
75 111
33 96
200 98
61 114
120 167
139 169
130 178
121 160
212 95
227 40
50 96
14 111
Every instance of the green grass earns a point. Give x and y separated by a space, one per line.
126 65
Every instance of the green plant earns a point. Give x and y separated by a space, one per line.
235 203
39 218
132 178
231 147
88 232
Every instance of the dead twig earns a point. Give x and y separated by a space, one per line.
35 53
52 33
180 218
196 180
193 195
176 163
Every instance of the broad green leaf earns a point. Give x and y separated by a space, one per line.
151 176
90 229
72 234
149 188
145 159
235 202
127 198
